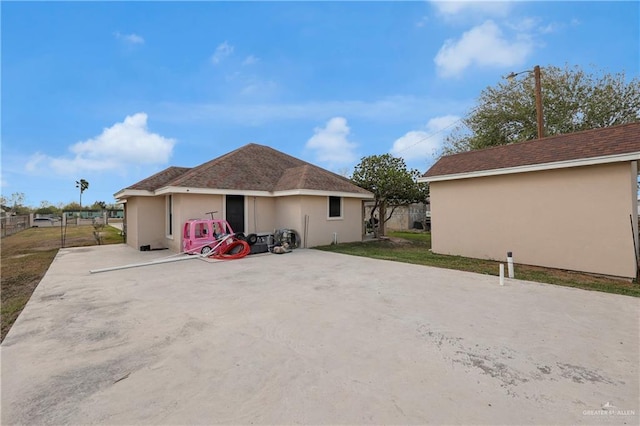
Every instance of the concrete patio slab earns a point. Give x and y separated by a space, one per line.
315 338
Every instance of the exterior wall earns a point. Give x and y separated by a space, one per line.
399 220
146 222
260 214
288 213
634 194
189 206
321 228
574 218
147 217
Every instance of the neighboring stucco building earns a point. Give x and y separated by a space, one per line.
412 216
256 188
567 201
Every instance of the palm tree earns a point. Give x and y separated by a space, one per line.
83 185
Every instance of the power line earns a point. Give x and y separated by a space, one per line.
429 136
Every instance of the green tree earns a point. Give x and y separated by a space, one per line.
99 205
83 185
572 100
72 206
47 210
391 183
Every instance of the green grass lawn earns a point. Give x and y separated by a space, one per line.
413 247
26 256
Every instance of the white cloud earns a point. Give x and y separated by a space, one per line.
125 143
129 38
422 22
524 24
484 46
425 143
250 60
449 8
222 51
331 143
552 27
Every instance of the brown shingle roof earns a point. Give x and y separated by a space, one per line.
623 139
253 167
160 179
311 177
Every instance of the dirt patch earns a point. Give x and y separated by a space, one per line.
392 242
399 242
18 256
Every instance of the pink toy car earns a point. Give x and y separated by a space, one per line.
203 235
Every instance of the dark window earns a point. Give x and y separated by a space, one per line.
335 207
170 211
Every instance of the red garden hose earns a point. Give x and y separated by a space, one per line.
236 250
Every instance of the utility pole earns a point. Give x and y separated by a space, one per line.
538 95
540 116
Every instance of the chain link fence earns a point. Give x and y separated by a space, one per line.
13 224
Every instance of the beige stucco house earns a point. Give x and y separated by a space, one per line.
256 188
567 201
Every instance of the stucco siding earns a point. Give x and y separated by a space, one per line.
321 228
288 213
145 222
131 221
261 214
191 206
291 212
633 187
266 215
575 218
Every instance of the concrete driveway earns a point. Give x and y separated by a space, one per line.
313 337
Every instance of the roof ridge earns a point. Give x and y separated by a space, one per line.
304 174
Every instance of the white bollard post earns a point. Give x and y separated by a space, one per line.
510 264
502 274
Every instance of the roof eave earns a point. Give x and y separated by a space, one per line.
125 193
633 156
210 191
253 193
322 193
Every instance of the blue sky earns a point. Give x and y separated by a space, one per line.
113 92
